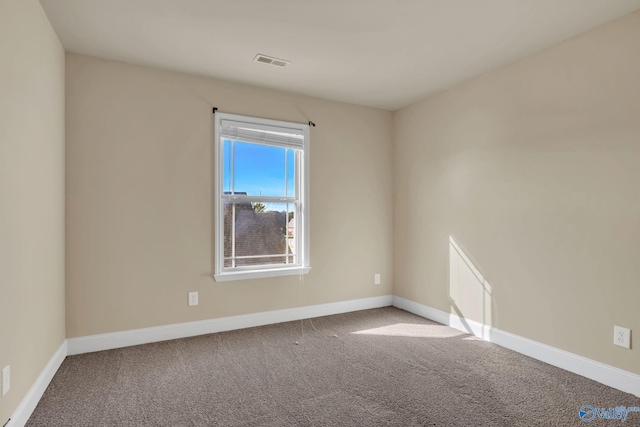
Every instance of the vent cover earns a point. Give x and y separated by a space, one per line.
282 63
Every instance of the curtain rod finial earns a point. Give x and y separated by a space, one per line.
215 109
311 123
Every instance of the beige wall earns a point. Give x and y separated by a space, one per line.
32 324
533 170
139 198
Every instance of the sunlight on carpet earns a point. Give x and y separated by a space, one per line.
412 330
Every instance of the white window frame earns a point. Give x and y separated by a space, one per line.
223 273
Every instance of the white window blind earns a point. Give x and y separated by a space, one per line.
262 134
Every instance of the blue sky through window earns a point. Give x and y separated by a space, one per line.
259 170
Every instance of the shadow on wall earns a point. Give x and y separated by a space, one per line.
469 291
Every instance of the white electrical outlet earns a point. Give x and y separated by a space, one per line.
622 336
193 298
376 278
6 379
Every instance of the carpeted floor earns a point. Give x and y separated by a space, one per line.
385 367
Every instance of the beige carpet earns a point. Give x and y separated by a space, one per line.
386 367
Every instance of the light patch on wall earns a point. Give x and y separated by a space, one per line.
469 291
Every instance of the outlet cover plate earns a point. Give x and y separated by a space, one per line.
6 379
376 278
622 336
193 298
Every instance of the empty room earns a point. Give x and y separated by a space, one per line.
329 213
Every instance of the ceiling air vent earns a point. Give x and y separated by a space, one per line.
282 63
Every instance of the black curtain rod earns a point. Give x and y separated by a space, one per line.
310 122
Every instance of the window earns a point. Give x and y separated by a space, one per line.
261 198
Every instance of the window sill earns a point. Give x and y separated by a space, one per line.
259 274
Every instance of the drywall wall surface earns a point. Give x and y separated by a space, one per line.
140 198
516 196
32 323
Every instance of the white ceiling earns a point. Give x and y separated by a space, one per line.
378 53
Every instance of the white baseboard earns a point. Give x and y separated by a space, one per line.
30 401
421 310
182 330
600 372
